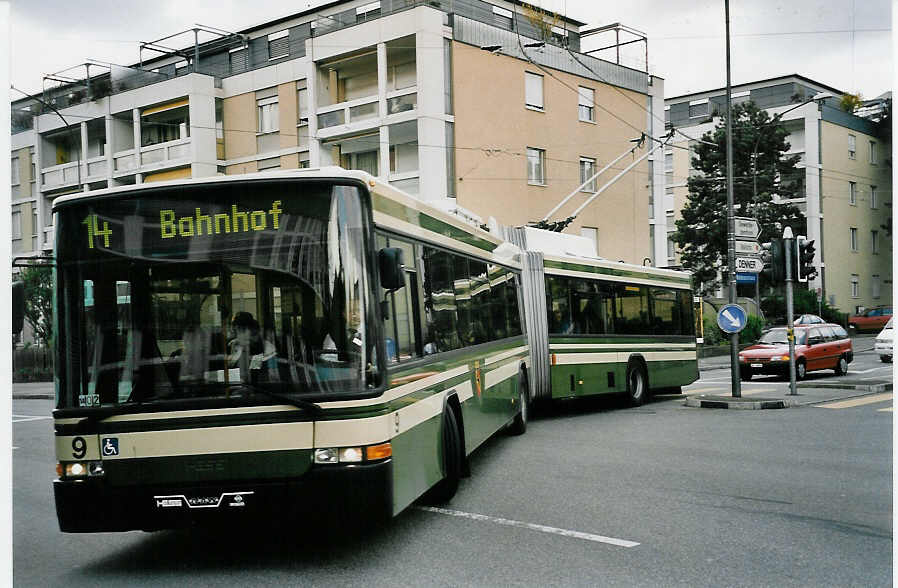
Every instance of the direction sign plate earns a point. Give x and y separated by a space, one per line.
746 228
746 278
750 247
731 318
749 264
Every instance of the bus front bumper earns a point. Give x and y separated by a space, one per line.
323 493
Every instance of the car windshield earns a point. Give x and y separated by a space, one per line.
249 292
780 337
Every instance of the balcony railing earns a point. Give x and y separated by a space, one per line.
347 113
56 176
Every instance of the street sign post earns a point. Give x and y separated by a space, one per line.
749 264
731 318
746 228
749 247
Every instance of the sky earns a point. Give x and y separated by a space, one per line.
846 44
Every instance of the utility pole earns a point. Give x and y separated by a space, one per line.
731 220
788 248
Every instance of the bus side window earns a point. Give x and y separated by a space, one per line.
496 312
439 301
480 303
400 326
512 306
558 305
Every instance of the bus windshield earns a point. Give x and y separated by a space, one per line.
244 291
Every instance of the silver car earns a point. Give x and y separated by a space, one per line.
883 345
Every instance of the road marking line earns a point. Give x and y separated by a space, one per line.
889 409
530 526
883 367
24 418
757 391
702 390
859 401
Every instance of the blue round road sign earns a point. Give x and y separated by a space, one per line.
731 318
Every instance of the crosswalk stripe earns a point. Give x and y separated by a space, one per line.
889 409
859 401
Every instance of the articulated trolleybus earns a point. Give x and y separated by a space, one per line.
275 344
599 327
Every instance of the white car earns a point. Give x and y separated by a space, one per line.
883 345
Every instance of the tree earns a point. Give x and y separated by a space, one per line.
38 281
761 170
851 102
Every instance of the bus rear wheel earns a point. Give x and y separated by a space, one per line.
445 489
637 385
519 424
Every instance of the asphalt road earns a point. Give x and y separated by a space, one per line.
593 495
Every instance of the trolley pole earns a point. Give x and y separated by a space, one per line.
788 245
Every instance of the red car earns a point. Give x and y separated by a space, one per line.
871 320
817 347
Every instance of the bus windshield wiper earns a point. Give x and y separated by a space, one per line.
297 402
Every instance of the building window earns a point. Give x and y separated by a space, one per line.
586 107
279 44
852 193
855 286
587 171
237 60
591 233
852 147
34 222
367 12
270 163
873 153
874 241
852 232
302 103
536 166
876 285
699 109
268 114
873 203
533 86
14 172
16 226
503 18
671 247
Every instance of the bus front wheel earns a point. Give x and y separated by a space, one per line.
445 489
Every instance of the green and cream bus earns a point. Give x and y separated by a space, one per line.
275 344
600 327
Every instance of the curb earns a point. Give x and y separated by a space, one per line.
27 396
726 402
868 388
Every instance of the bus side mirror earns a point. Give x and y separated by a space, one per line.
389 260
18 307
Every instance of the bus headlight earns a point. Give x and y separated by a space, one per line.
81 469
328 455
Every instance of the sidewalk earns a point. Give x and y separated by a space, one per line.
33 391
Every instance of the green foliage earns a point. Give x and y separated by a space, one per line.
761 169
804 301
39 301
713 335
850 102
752 331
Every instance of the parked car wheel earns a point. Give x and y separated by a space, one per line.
841 366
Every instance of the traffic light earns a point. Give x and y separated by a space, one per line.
804 249
774 260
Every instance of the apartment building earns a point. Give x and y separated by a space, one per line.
847 195
488 107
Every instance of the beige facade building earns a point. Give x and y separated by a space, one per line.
487 107
847 195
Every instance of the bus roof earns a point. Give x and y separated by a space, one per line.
616 271
392 209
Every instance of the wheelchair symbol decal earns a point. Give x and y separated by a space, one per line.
110 446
